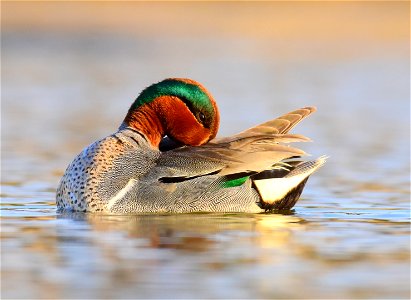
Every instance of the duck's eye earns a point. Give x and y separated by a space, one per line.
202 117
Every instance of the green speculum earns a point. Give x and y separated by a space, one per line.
235 182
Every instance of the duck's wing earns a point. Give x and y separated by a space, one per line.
252 154
280 125
253 150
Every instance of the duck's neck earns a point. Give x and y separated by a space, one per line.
146 120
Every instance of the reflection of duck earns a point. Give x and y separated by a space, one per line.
162 160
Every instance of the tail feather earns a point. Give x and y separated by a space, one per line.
280 189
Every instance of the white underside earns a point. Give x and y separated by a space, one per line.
130 184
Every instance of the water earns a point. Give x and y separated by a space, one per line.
349 235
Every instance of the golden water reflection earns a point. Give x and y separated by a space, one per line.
152 255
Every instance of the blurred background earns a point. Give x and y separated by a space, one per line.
70 71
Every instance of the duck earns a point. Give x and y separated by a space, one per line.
165 158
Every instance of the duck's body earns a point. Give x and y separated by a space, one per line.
127 172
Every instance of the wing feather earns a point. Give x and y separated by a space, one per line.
253 150
280 125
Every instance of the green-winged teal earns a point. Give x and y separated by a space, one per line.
165 158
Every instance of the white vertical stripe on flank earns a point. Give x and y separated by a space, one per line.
121 193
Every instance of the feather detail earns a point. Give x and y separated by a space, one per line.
280 125
253 150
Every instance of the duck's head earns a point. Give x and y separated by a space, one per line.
180 108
